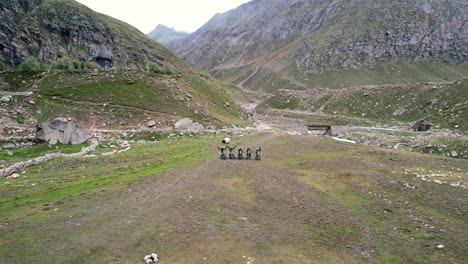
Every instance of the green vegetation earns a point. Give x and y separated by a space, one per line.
154 67
37 150
60 65
20 118
30 65
279 102
228 86
443 104
205 75
129 98
381 74
387 73
80 65
2 63
108 176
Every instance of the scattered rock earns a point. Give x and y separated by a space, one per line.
399 112
13 176
440 246
5 99
151 123
9 146
454 154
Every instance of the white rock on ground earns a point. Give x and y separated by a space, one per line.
151 123
182 123
5 98
153 258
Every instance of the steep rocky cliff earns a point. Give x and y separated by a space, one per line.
165 35
65 29
297 38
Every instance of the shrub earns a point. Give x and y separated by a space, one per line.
60 65
77 64
205 75
89 65
153 67
30 65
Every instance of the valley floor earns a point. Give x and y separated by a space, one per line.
310 200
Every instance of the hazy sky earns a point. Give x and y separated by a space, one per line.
184 15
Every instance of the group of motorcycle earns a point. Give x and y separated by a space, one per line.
240 153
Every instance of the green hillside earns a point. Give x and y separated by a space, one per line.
444 104
118 98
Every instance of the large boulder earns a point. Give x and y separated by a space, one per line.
61 130
183 123
422 125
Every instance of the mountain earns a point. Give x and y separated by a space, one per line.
166 35
64 29
268 44
124 96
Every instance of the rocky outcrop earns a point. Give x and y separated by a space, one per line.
66 30
61 130
320 35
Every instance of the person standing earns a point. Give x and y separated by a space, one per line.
257 153
249 154
231 152
222 155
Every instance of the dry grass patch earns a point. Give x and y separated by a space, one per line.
241 187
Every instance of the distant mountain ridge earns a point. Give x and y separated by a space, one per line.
297 38
165 35
64 30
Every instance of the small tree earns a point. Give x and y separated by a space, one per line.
30 65
60 65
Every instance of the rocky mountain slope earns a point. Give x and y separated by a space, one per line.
165 34
294 42
65 30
